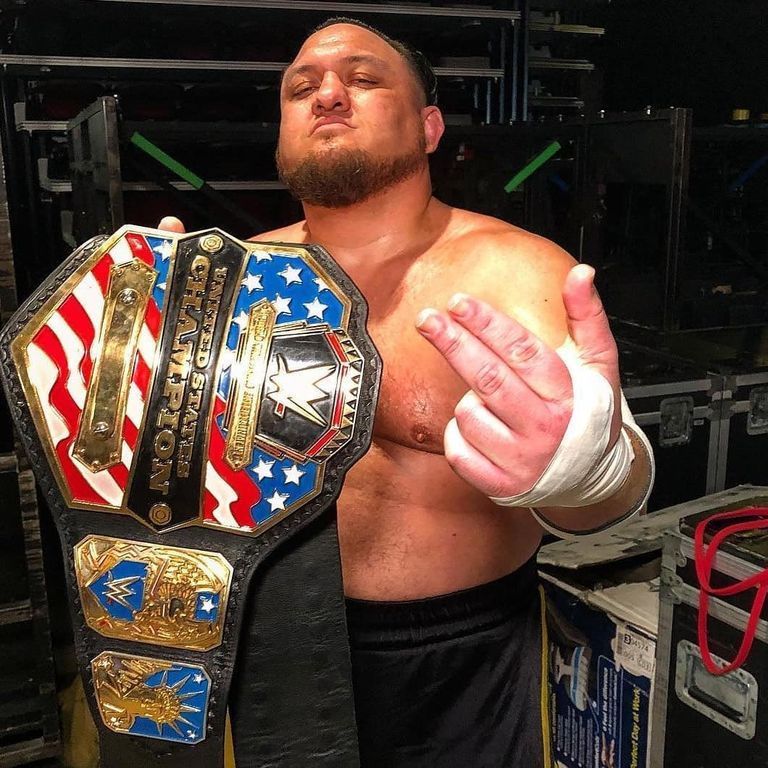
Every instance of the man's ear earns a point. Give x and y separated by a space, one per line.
434 127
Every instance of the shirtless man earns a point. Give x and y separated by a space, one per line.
466 312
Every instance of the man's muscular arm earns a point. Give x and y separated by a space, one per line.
509 425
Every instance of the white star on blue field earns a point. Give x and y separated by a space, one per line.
297 293
287 482
295 290
282 278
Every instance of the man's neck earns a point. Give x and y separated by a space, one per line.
386 224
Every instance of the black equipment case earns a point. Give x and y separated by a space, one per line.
701 720
676 404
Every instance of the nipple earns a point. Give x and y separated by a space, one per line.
421 434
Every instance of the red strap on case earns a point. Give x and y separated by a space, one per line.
704 558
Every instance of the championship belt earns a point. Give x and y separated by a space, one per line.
190 405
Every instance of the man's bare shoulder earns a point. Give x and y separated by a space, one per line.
491 243
293 233
518 272
489 250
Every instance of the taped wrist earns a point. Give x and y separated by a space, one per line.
640 445
581 472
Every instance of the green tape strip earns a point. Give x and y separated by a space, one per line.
533 166
165 159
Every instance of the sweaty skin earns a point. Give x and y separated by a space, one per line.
415 521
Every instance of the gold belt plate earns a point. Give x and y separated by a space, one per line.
153 593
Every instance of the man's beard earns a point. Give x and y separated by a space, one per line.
338 178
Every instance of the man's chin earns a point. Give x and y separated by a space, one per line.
320 148
336 175
328 144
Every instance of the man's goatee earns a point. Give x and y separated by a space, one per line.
343 177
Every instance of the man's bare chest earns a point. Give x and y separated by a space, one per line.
419 390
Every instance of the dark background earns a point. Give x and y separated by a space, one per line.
707 55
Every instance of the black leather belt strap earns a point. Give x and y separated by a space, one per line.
291 697
181 616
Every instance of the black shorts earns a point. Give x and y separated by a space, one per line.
453 681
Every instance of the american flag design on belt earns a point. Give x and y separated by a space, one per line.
297 293
61 357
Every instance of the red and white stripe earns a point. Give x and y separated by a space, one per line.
61 358
229 494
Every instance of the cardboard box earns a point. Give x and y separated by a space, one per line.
602 648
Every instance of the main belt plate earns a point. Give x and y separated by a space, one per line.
193 381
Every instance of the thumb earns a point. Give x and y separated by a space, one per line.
588 323
171 224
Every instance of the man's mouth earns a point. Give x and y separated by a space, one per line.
325 121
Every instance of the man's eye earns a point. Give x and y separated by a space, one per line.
302 90
360 80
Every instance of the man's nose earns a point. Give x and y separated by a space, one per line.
332 95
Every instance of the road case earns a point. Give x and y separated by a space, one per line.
701 720
677 406
743 441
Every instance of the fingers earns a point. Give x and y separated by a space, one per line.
483 430
520 379
469 464
507 428
171 224
534 362
588 323
500 388
490 437
478 470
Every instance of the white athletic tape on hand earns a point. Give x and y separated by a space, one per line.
579 474
633 506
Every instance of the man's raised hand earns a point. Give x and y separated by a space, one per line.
508 426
